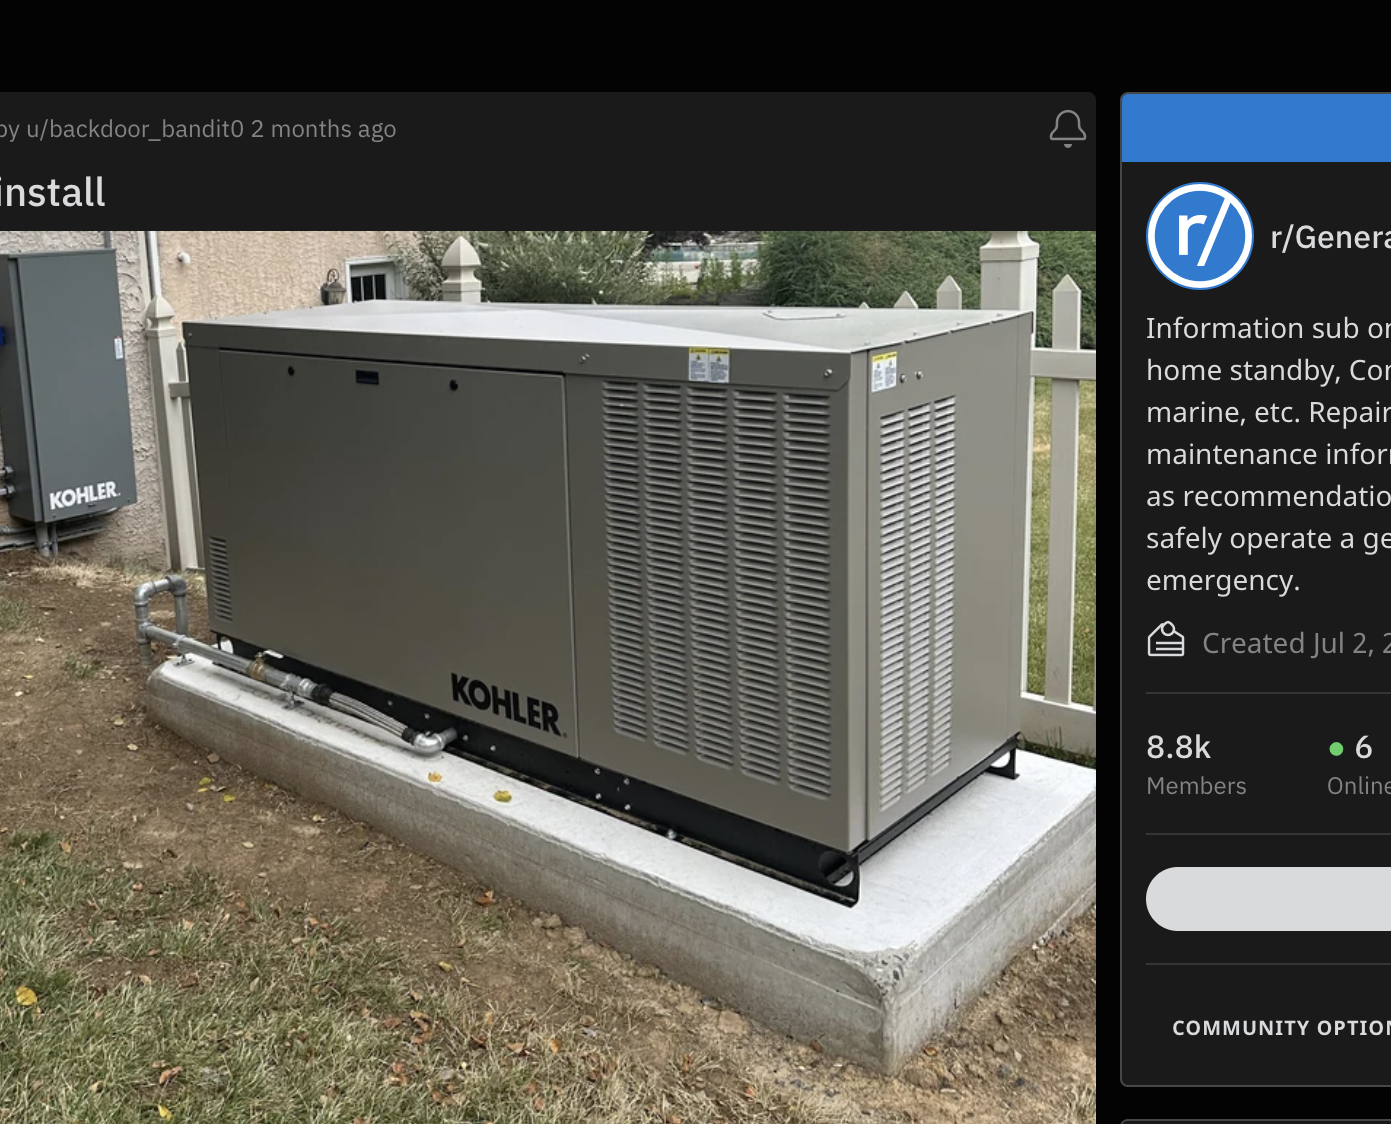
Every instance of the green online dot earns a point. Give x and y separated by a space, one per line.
1336 749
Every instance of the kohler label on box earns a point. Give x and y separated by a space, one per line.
87 494
536 713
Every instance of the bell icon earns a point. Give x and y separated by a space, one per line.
1067 128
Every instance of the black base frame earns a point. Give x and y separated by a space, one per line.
778 854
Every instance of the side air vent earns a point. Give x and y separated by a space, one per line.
220 579
917 531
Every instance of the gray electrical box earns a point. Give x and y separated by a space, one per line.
766 564
64 403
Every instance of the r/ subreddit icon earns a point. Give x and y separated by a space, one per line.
1200 236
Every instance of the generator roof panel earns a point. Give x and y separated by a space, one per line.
836 330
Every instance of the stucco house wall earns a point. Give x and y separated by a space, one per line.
229 273
236 272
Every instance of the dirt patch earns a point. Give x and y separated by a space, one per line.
78 757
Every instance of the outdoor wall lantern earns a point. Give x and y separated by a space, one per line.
332 290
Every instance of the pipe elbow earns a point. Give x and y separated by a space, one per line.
145 590
434 743
178 584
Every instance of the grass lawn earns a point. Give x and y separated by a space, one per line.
1084 614
128 998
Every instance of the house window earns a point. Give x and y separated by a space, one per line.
372 280
369 287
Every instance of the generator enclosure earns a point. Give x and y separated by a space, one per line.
64 402
769 562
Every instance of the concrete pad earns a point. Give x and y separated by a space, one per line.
942 909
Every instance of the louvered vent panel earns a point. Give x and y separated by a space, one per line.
943 579
220 578
806 496
917 527
666 572
623 516
893 626
758 664
707 538
717 511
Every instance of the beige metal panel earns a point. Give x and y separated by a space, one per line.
401 533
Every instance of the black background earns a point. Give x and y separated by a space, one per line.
1277 743
948 160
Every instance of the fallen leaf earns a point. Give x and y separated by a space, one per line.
930 1051
248 846
318 819
205 780
490 1018
132 747
518 1048
749 1092
137 886
554 1044
145 980
479 1041
25 996
169 1074
485 898
165 1114
118 721
228 797
187 924
415 995
530 1088
28 677
539 1103
502 796
446 966
65 847
391 1023
435 778
213 759
96 1086
132 866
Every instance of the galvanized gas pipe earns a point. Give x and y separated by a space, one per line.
427 745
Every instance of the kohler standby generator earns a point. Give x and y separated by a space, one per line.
749 577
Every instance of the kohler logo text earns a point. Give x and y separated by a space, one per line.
536 713
88 493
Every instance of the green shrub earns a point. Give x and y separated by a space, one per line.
538 266
566 266
842 268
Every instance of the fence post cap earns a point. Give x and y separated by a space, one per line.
949 286
460 254
1009 245
159 312
1067 285
906 301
